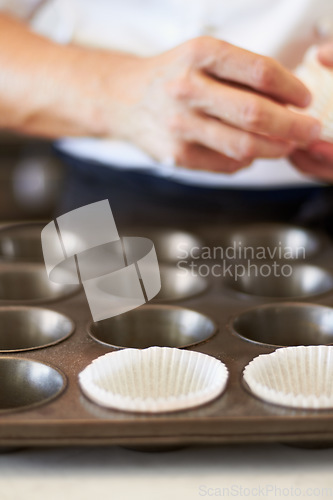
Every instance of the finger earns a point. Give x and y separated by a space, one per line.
312 166
227 62
252 112
322 149
197 157
325 54
226 140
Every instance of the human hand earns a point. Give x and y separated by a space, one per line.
206 104
212 106
317 159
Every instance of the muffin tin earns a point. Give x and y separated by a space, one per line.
47 337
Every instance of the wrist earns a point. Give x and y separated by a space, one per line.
55 90
99 86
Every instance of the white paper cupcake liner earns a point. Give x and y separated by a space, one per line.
300 377
319 80
157 379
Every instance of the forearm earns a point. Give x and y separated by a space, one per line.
182 104
52 90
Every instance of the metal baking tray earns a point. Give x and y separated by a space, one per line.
47 337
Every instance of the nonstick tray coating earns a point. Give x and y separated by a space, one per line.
236 416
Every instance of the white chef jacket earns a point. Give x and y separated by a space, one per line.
282 29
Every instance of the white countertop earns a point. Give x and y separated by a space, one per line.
261 471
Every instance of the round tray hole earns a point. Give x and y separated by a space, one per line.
303 281
286 324
26 328
278 241
22 242
171 245
28 283
164 326
176 284
26 383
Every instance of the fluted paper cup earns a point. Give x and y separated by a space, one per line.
319 80
299 377
157 379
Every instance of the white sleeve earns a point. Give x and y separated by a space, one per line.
54 19
22 9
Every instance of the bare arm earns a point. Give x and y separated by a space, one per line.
182 103
52 90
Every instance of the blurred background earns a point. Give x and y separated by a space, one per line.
31 178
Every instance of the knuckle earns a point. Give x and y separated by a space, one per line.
200 51
181 154
245 164
300 165
263 73
197 46
201 48
246 148
181 88
253 114
214 136
176 123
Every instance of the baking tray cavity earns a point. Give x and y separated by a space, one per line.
154 325
26 383
286 324
25 328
